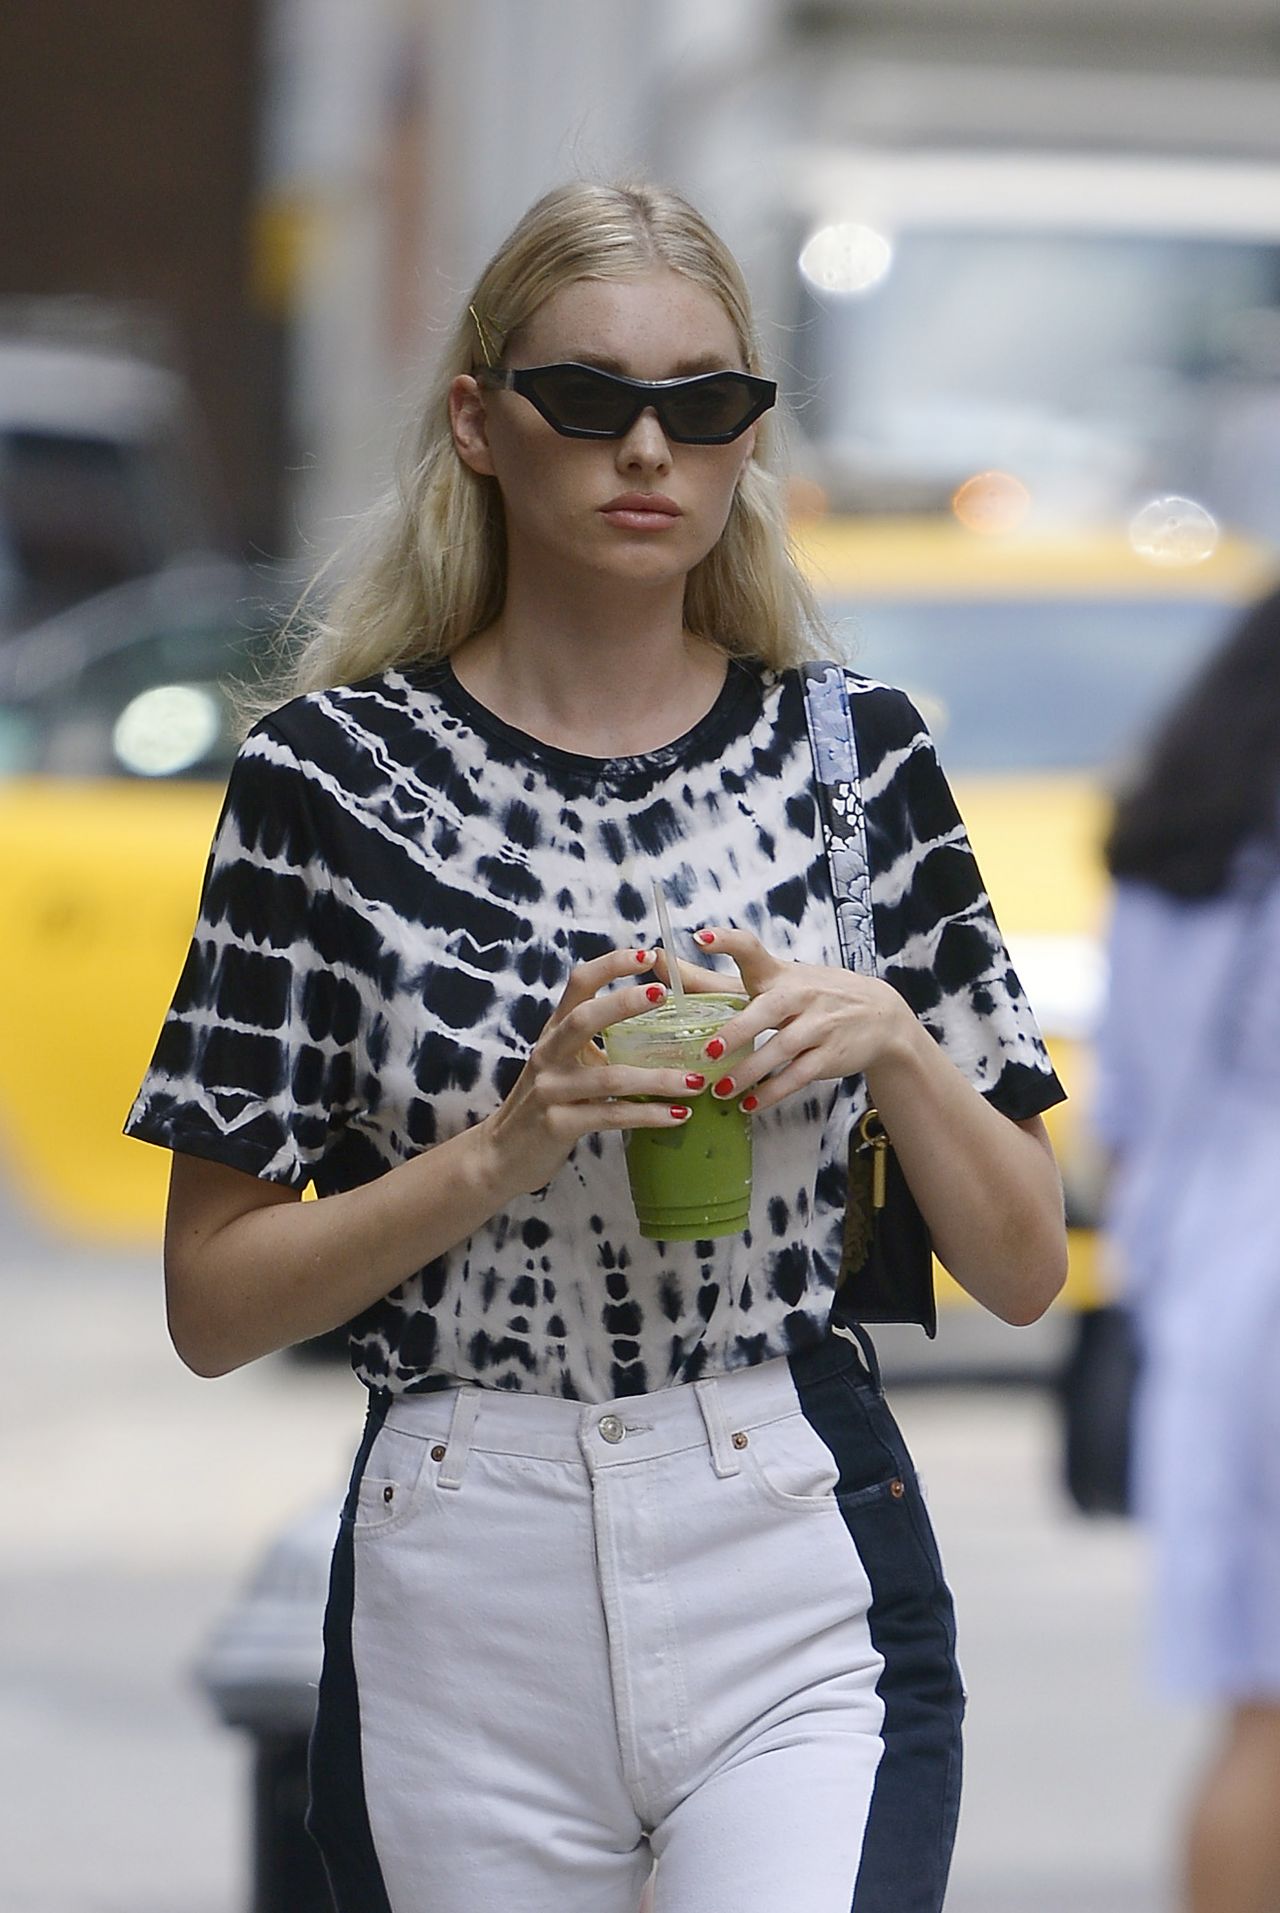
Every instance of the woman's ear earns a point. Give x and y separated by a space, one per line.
469 425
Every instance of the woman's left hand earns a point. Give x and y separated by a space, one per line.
987 1185
827 1023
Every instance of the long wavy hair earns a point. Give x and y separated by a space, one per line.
430 563
1210 783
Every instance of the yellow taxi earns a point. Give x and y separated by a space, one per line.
116 736
1039 661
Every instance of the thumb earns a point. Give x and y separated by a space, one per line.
755 965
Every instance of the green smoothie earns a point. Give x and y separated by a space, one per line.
694 1181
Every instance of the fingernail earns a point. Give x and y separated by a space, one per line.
642 958
749 1103
725 1087
680 1113
655 992
704 936
695 1082
714 1049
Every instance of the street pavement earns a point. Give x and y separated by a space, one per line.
141 1497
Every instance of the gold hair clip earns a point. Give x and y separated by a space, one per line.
484 343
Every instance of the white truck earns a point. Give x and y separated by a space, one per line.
1104 328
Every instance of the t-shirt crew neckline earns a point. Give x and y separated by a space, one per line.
719 722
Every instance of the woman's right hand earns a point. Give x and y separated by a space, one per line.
568 1087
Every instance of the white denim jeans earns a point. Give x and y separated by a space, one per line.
566 1641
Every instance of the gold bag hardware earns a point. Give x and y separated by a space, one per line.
868 1149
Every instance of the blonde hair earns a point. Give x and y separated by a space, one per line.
431 571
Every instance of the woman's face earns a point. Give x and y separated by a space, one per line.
557 491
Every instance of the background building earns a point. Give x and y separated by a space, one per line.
129 140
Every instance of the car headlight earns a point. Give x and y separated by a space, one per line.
167 729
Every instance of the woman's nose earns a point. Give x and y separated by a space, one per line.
645 444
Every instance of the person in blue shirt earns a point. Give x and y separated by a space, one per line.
1189 1104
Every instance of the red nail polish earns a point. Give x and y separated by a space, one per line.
725 1087
655 992
642 958
695 1082
704 936
749 1103
680 1113
714 1049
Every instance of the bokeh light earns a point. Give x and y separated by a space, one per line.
991 502
806 498
1174 531
847 257
167 729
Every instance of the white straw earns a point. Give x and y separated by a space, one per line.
668 941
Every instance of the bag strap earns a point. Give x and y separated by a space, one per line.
834 744
895 1285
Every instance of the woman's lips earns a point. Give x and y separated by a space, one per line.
641 511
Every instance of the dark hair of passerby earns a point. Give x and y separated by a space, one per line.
1210 781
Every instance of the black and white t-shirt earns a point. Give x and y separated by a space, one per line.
398 889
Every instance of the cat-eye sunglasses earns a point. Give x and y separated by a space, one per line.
583 401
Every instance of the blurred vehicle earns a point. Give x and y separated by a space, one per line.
102 474
116 735
1103 326
1038 662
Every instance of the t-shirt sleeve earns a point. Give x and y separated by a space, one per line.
936 933
255 1063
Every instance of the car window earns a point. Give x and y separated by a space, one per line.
1034 685
71 518
19 742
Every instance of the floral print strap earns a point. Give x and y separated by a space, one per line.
833 742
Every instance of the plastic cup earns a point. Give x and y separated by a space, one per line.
695 1181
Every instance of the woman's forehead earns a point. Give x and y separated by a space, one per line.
659 315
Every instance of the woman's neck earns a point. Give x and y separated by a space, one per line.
611 678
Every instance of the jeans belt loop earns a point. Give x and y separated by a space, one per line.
724 1458
458 1441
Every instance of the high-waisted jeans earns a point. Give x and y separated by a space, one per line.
705 1627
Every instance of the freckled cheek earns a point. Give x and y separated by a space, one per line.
539 483
721 481
711 514
539 496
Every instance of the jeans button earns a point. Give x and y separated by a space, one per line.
611 1428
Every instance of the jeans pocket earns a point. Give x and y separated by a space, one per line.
791 1463
395 1477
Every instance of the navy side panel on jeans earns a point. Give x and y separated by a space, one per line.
906 1854
337 1816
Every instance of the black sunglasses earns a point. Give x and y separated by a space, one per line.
581 401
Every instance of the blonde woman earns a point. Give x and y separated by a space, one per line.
633 1565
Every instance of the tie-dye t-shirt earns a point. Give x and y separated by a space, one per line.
399 886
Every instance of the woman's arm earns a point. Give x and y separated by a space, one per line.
988 1187
249 1268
